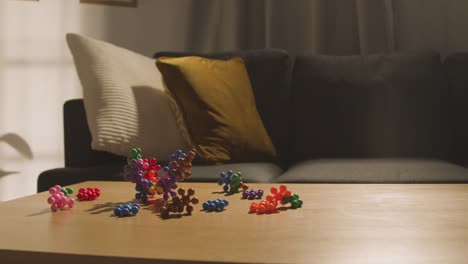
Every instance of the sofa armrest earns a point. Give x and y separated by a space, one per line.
78 152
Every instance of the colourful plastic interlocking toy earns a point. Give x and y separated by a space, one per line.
179 204
58 200
145 174
142 172
178 169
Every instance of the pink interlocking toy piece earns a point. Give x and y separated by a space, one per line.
58 200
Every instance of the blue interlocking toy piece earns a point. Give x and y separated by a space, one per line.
142 189
215 205
177 156
126 210
225 178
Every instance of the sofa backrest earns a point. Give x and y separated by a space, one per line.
456 67
398 105
370 107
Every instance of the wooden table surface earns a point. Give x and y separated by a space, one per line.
339 223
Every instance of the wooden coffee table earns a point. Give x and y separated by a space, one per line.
339 223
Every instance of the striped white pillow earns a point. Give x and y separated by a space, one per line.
126 103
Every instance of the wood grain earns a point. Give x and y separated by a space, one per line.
339 223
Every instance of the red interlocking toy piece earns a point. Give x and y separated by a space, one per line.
88 194
150 169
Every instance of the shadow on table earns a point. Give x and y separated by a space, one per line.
155 207
107 207
224 193
43 211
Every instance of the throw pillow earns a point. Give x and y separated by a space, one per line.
125 102
219 108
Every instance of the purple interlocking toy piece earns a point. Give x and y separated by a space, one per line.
252 194
133 171
168 183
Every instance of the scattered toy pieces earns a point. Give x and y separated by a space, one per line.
145 174
232 182
277 196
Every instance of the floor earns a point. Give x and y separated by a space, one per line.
18 176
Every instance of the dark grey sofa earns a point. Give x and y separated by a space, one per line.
395 118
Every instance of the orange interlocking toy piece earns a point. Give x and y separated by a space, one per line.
181 164
277 196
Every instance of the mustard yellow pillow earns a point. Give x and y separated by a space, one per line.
219 108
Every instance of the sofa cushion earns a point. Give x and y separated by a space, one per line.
219 108
375 171
125 101
251 172
370 106
456 66
270 73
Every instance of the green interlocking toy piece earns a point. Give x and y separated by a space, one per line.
135 154
67 191
236 183
294 200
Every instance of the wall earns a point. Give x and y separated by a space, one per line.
37 74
